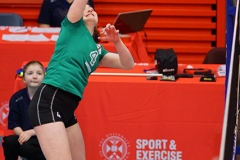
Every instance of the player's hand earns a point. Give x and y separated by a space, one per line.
110 34
23 137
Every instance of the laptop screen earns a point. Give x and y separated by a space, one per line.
129 22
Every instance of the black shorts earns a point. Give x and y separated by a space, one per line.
50 104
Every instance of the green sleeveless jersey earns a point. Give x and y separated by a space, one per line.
75 57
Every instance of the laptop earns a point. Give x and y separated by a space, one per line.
129 22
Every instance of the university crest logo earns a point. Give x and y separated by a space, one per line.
115 147
4 110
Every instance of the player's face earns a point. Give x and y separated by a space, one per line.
90 16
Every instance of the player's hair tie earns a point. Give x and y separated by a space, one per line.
20 72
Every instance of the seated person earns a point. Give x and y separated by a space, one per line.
24 142
53 12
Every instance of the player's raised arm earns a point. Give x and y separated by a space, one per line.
75 12
121 60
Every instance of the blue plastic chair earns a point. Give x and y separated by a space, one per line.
10 19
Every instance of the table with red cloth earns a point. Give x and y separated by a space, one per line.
132 118
13 53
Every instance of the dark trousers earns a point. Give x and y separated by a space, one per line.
30 150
